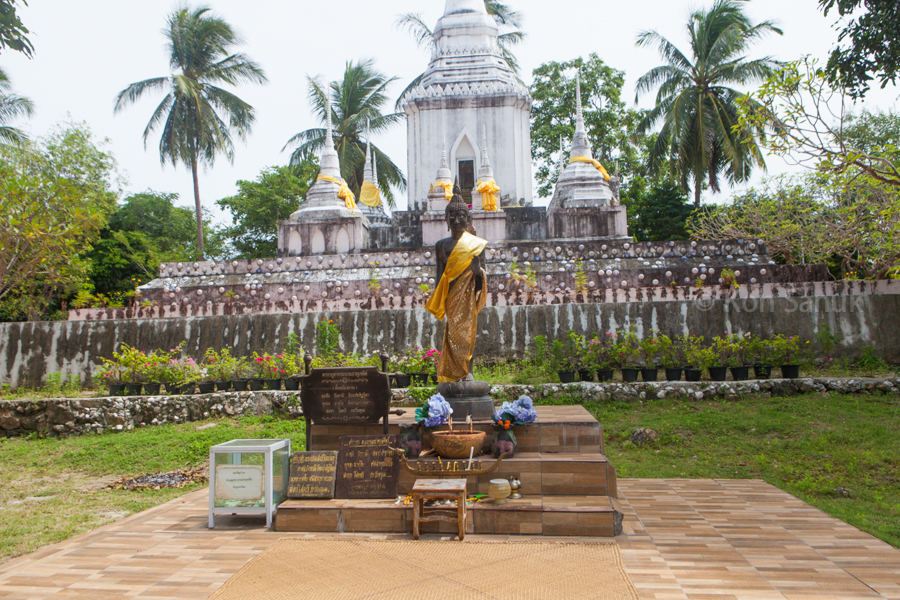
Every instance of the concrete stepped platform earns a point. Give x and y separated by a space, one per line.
540 474
569 486
558 430
598 516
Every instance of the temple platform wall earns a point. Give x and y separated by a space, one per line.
860 313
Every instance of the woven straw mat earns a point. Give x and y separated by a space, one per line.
425 570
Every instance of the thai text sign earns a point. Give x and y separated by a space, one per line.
312 475
367 468
239 482
345 396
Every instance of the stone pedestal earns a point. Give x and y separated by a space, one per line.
588 222
323 234
489 225
468 398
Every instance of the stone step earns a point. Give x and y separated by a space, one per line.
540 474
558 430
591 516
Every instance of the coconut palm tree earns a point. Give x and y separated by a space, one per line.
358 99
198 118
697 110
503 15
12 107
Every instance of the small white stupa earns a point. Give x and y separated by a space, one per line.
329 220
583 204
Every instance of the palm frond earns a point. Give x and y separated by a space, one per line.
133 92
415 25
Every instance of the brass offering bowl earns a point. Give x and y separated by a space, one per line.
457 444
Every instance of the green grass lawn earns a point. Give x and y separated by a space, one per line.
810 445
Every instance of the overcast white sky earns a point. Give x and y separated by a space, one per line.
89 50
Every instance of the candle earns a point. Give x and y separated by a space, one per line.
469 421
471 454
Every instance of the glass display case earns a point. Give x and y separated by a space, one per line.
248 477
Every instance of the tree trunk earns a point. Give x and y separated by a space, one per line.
696 190
197 206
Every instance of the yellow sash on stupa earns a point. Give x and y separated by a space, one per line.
344 194
447 187
488 190
594 162
370 195
467 248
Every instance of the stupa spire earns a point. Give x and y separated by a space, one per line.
367 168
443 173
580 144
485 172
329 163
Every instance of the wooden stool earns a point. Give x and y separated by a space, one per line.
435 489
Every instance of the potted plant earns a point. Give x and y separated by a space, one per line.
598 355
721 347
698 357
219 368
757 352
399 367
787 354
290 364
668 353
649 348
521 412
110 374
189 374
132 363
564 356
266 373
740 370
155 372
627 352
239 374
420 365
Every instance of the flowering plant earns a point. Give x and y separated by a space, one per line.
268 367
435 412
598 352
520 412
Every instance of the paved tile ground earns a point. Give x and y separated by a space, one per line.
684 539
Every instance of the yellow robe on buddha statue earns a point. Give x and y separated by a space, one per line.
461 305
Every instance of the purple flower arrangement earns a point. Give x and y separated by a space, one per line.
520 412
436 412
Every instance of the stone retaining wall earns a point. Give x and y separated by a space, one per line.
862 314
63 417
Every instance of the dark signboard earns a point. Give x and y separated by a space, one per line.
367 468
345 396
312 474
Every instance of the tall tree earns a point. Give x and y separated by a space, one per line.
56 193
872 44
510 22
608 122
809 122
13 33
145 231
12 107
198 118
355 111
696 109
259 205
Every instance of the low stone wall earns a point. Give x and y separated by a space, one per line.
63 417
859 313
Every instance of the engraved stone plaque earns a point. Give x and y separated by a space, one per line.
345 396
312 475
367 468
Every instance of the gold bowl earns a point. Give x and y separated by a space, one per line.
457 444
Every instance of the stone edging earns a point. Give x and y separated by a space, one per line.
63 417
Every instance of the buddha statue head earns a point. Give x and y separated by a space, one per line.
457 213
